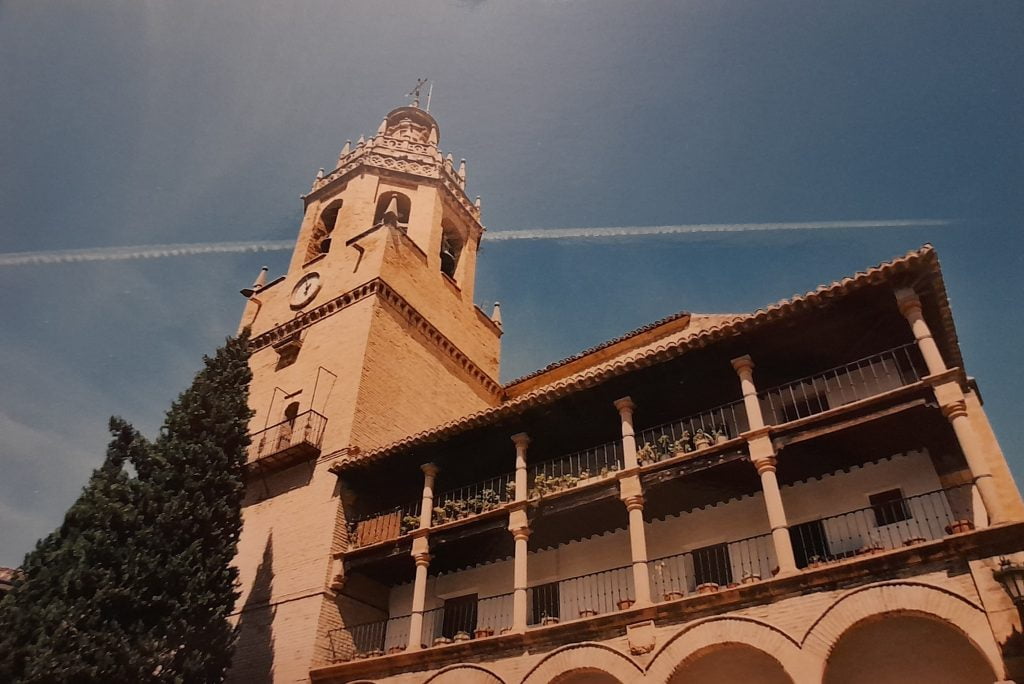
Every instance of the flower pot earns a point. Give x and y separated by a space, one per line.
483 633
750 579
707 588
732 585
587 612
441 641
624 604
505 630
871 551
673 595
375 653
462 636
914 540
395 649
959 526
548 621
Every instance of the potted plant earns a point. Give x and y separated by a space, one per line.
673 595
646 454
687 441
587 612
462 636
442 640
721 435
624 604
958 526
510 490
664 447
815 562
701 440
409 523
708 588
440 515
395 649
375 653
750 578
541 484
548 620
483 632
489 500
914 540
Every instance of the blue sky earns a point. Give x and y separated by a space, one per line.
128 123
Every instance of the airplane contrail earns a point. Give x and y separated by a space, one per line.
65 256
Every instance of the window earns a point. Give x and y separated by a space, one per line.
394 207
810 543
544 602
451 249
889 507
711 564
320 240
459 615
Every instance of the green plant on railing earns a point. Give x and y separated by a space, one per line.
409 523
440 515
489 500
510 490
647 454
701 439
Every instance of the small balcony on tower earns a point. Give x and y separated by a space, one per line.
296 438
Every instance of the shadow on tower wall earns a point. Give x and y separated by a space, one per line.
253 661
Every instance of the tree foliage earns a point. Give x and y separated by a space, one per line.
136 585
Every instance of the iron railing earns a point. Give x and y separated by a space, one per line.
304 430
842 385
473 499
382 525
711 568
892 523
587 595
574 469
692 433
463 619
369 639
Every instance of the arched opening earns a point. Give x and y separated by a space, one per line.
587 676
894 648
320 240
451 249
730 663
393 207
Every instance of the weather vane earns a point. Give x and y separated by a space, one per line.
415 92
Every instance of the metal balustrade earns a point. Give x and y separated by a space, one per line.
574 469
842 385
692 433
890 524
466 618
382 525
587 595
300 435
369 639
473 499
711 568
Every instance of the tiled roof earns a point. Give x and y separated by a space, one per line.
664 349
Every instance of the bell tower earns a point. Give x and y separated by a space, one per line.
371 335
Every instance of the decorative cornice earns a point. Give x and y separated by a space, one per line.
385 293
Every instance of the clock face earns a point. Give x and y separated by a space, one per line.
305 290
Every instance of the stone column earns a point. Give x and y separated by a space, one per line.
954 408
522 441
638 544
427 506
762 455
419 593
625 407
910 306
519 579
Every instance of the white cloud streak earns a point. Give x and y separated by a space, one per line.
66 256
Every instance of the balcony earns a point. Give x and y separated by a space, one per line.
288 442
725 568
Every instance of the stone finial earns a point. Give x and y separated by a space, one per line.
346 149
360 142
432 138
462 169
496 314
320 174
448 161
258 284
383 127
476 203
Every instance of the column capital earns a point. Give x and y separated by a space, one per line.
422 559
429 469
521 439
954 409
624 405
907 300
765 464
743 363
634 502
521 533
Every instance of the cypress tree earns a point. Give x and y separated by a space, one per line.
137 584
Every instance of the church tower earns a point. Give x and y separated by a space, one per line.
370 336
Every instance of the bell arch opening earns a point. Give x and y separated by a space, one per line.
320 239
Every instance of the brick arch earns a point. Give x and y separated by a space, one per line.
717 631
914 598
464 674
585 656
